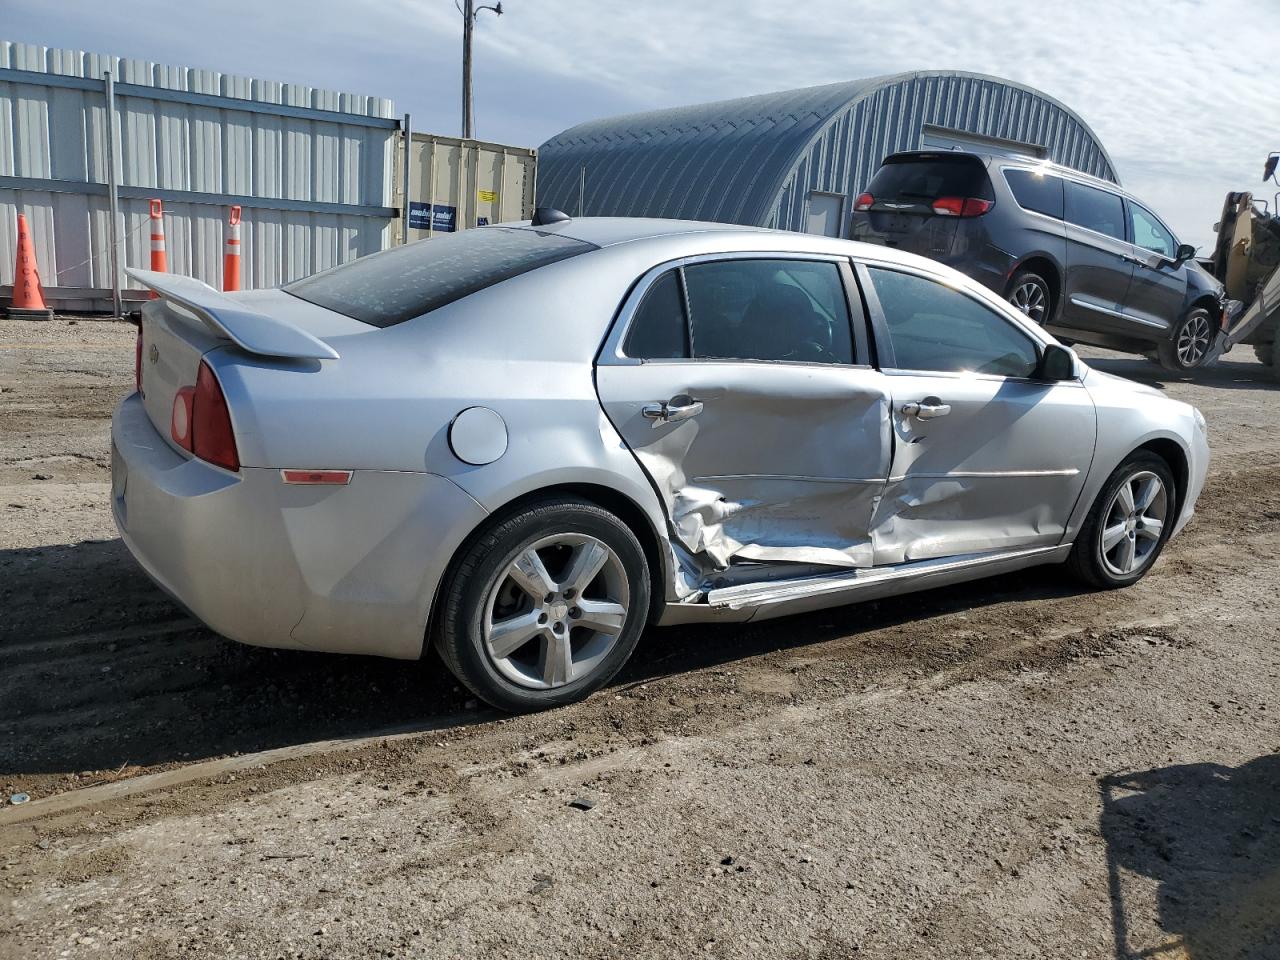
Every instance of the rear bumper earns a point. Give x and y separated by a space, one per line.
343 569
1197 471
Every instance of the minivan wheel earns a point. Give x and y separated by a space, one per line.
1029 292
544 607
1128 524
1190 343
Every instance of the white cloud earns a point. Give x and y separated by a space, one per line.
1180 92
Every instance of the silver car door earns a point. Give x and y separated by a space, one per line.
986 457
743 393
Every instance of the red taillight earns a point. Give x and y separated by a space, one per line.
864 202
961 206
181 418
137 362
211 435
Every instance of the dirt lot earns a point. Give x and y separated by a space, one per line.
1014 768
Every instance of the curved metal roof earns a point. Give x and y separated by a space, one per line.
729 161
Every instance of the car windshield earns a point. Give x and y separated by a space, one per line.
923 178
387 288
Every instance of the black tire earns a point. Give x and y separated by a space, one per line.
1265 352
1186 349
1087 559
483 569
1029 293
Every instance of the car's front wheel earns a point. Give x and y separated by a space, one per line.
545 606
1128 524
1190 343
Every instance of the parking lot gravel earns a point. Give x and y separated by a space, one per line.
1018 767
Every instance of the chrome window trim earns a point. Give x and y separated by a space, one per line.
612 355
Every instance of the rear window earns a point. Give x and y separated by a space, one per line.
923 178
387 288
1039 192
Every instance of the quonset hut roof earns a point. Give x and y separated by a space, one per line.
732 160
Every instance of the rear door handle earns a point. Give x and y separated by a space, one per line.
681 407
929 408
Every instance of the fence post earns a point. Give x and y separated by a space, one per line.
113 197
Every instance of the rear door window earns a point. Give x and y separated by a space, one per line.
769 310
1039 192
396 285
659 330
754 309
1095 209
923 178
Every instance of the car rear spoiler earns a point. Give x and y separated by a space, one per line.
256 332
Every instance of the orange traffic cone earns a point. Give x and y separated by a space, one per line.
159 260
231 254
28 296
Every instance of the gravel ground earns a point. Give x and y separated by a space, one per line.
1012 768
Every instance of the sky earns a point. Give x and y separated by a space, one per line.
1183 93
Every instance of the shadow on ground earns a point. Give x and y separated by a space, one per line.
99 669
1209 835
1232 374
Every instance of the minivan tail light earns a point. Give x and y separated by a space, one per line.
211 436
961 206
864 202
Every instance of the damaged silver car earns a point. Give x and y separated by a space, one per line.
524 443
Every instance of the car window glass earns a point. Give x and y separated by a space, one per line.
658 329
934 327
1149 233
769 310
1095 209
1036 191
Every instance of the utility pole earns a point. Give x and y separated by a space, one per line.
469 13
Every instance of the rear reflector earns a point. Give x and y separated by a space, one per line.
211 436
180 420
339 477
961 206
864 202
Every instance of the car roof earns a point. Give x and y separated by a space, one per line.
1026 160
608 231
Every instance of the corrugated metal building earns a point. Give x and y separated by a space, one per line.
313 170
797 159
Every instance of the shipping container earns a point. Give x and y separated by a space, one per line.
456 184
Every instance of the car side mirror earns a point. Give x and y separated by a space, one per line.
1185 252
1056 363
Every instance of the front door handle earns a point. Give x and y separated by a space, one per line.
681 407
930 408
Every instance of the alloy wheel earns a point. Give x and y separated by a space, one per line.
556 611
1193 339
1134 523
1030 298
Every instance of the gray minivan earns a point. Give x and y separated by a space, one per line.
1072 252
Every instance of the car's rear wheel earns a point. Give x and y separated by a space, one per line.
1029 292
545 606
1128 524
1190 343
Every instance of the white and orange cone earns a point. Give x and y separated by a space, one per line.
231 252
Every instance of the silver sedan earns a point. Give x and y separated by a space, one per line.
524 443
